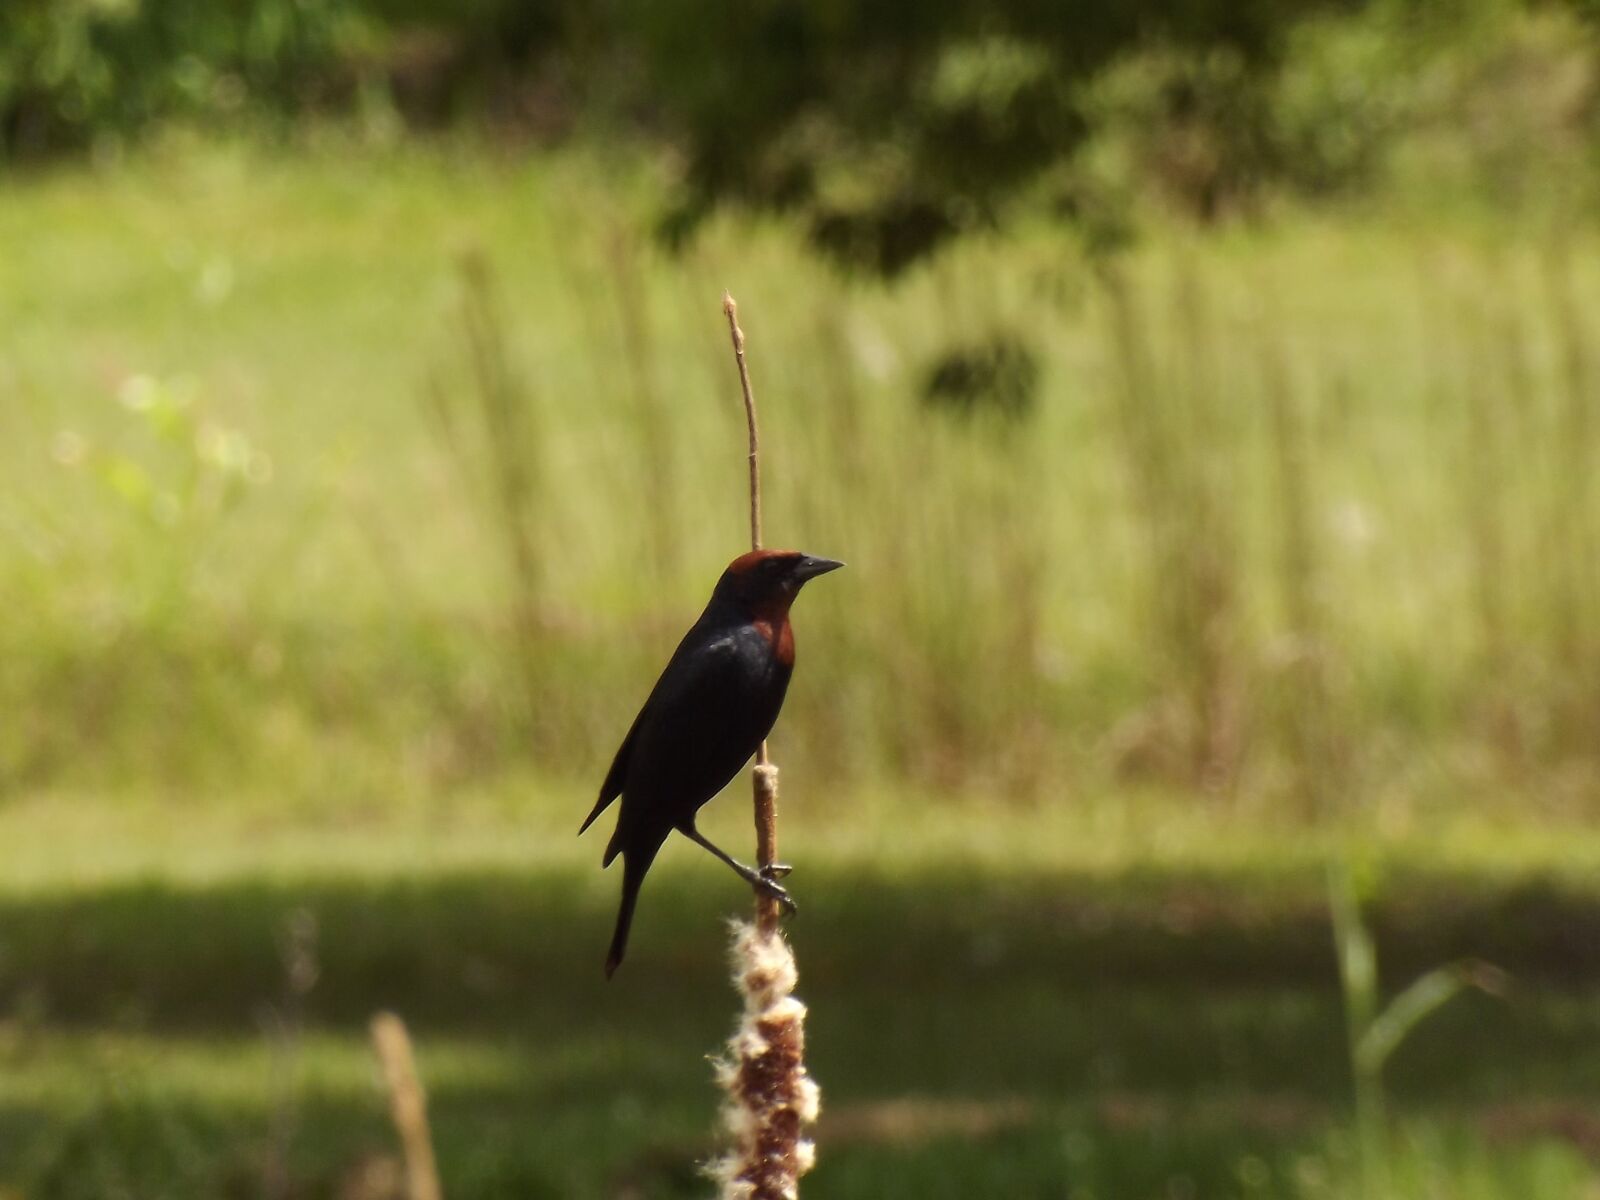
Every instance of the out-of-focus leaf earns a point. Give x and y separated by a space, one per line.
1404 1013
127 480
1358 964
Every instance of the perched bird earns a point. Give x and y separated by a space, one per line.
708 713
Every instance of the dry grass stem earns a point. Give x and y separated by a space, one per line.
731 311
765 780
408 1105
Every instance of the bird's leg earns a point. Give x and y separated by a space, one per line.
756 879
776 871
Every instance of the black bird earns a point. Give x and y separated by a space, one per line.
708 713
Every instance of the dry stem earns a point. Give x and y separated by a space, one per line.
408 1104
765 777
731 311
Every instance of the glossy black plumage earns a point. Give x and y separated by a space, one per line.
715 702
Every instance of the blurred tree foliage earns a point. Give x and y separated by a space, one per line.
71 69
888 132
890 128
885 129
75 70
997 377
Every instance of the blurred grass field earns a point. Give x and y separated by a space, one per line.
1291 560
1123 997
1254 535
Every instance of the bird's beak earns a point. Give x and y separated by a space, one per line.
811 566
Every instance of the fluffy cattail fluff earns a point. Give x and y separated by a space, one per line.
771 1099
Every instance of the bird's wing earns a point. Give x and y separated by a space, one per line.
677 672
714 704
612 787
705 716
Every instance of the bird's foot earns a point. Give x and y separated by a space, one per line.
775 891
774 871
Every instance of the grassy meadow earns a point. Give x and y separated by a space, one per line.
356 494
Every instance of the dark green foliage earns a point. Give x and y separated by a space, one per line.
74 70
71 69
886 130
893 129
885 238
998 377
890 128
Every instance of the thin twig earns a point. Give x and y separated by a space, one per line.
408 1104
731 310
765 777
285 1026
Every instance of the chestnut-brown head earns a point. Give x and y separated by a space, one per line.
763 580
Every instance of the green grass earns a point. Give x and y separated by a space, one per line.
509 1120
1022 612
1051 757
1115 997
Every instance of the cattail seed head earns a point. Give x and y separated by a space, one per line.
771 1098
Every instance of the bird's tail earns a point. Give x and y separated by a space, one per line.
634 867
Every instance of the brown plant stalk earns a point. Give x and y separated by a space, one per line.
771 1099
408 1106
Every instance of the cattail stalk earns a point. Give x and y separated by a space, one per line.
765 776
771 1100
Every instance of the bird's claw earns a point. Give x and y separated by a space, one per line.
774 871
776 892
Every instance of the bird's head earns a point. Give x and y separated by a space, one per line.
766 579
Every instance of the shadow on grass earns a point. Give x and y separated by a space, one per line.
489 946
959 980
1054 993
